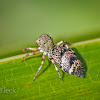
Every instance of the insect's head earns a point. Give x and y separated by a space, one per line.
45 42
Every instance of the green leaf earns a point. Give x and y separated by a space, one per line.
17 77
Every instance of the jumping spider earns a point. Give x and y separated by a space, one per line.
60 54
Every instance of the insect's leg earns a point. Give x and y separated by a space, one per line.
29 54
61 42
69 48
42 62
56 68
65 45
29 48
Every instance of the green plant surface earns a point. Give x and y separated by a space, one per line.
18 76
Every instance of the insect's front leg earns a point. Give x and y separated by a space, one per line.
29 48
29 54
51 59
43 58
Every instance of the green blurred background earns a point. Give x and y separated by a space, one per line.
23 21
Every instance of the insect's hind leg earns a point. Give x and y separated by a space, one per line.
56 69
43 58
65 45
29 54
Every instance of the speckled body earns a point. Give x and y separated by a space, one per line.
60 54
64 57
66 60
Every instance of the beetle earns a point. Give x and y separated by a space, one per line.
60 54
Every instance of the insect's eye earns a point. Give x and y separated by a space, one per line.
44 43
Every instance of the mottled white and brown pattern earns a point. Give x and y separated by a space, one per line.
60 54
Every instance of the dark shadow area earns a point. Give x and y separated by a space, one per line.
84 65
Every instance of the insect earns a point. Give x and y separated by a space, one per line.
60 54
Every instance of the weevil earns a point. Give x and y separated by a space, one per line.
59 54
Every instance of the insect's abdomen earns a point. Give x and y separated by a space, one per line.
67 61
71 65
